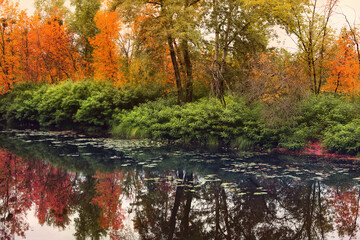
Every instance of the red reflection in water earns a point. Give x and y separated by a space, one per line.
108 190
54 193
14 195
345 203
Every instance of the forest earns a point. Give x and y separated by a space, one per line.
199 72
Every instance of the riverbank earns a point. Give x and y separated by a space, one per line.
95 107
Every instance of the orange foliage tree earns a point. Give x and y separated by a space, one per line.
9 59
35 49
106 51
51 50
345 68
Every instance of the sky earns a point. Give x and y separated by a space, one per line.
351 8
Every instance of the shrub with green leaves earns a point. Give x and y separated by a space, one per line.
86 105
17 107
203 121
343 138
322 111
317 115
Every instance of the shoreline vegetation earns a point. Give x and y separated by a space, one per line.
129 112
198 73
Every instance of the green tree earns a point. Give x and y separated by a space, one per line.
238 30
83 24
174 23
308 21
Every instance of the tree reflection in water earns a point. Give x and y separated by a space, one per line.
167 203
290 210
15 190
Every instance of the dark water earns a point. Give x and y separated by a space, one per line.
62 186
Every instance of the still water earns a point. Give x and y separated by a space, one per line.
57 185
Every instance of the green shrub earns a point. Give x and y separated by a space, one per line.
76 105
324 111
51 112
295 139
317 115
203 121
17 107
97 109
343 139
137 123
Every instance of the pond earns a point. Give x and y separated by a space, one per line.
59 185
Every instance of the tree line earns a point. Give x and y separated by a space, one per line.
187 47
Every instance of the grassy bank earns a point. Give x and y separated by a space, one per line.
142 113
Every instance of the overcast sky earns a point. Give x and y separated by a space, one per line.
351 8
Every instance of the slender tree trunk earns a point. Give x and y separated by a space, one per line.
189 71
215 64
219 67
176 70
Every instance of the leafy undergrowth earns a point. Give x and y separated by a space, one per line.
84 105
332 120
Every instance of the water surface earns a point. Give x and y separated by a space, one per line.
58 185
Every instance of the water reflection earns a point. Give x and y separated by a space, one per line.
179 198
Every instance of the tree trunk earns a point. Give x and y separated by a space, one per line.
188 66
176 70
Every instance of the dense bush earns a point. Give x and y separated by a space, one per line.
17 107
344 138
317 115
81 105
205 121
319 118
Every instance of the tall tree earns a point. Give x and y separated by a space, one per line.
308 21
237 31
174 23
9 59
106 52
83 24
52 51
345 67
